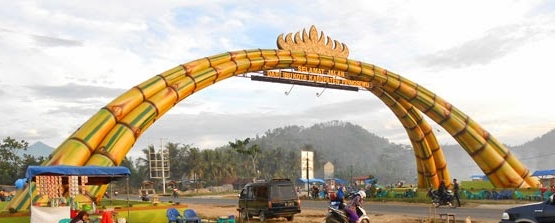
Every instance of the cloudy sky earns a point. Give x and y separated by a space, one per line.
61 61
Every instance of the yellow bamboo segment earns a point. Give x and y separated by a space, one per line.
184 88
312 60
169 77
423 154
163 101
472 140
410 90
117 144
121 106
225 71
93 131
220 58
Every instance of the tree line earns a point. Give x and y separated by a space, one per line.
241 159
277 154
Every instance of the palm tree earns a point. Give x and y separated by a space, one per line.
251 152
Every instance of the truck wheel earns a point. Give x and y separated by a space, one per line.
244 214
290 218
262 216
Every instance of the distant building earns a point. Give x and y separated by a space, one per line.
328 170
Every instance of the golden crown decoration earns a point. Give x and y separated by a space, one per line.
312 43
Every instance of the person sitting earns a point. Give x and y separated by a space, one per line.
442 190
351 207
82 217
315 192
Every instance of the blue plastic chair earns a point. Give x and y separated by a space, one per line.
65 220
174 216
191 216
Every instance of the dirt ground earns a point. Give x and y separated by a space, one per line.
309 216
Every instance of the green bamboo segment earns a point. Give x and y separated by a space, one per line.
141 118
22 200
101 159
73 152
96 191
150 87
102 122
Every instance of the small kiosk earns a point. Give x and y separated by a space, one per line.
55 182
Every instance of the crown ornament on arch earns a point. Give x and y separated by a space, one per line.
311 42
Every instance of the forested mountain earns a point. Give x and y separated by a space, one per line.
352 149
538 154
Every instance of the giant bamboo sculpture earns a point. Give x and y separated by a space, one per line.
108 136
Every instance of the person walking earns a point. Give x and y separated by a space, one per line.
456 191
175 193
340 195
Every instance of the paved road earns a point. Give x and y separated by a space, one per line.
489 213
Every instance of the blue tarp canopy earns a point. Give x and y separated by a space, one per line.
97 174
371 181
312 180
338 181
539 173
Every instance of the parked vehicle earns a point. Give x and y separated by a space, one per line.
269 199
439 199
338 215
531 213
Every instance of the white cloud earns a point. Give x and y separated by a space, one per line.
62 61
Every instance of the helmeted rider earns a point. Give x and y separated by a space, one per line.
442 190
351 207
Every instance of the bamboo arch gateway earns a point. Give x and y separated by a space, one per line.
108 135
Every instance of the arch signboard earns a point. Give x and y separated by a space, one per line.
308 57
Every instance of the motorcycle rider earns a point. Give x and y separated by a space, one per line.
351 207
442 189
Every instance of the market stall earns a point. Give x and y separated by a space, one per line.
60 184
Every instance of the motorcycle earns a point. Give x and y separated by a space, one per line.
336 214
439 199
